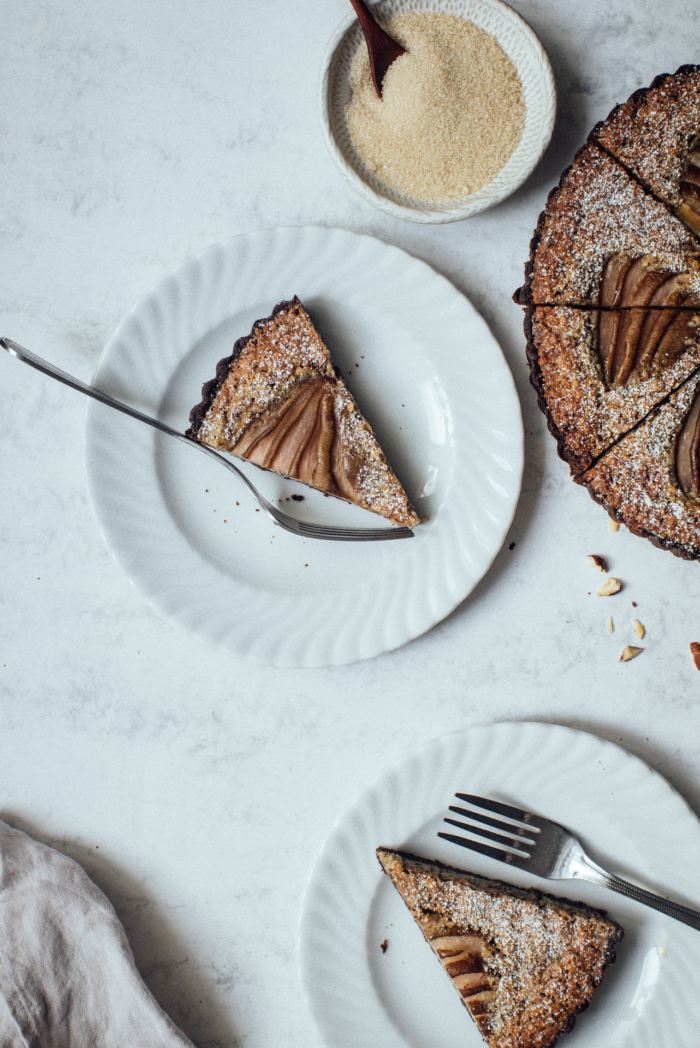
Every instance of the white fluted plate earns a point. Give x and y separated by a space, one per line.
627 816
426 372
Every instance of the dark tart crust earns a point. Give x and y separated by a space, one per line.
524 963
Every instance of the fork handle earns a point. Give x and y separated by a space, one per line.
277 516
91 391
590 871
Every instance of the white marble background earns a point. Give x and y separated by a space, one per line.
197 789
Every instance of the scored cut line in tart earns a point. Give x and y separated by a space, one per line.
640 481
587 412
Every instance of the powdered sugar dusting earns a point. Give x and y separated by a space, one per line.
280 351
651 136
589 414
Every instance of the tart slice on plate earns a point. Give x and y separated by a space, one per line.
524 963
278 401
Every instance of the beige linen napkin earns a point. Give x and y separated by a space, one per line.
67 974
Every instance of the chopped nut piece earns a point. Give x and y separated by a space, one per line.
629 652
610 624
614 526
638 628
695 652
609 587
596 562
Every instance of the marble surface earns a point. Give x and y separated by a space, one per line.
196 789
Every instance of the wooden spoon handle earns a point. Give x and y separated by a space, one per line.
383 50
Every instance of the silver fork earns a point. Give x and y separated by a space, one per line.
546 849
297 527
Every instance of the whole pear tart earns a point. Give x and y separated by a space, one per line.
524 963
612 318
278 401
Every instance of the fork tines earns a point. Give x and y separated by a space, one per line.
508 837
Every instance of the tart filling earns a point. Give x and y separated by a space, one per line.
463 957
654 136
687 455
635 343
597 211
627 282
689 190
613 320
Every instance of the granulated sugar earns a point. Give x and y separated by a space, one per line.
451 111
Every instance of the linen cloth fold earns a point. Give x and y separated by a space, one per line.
67 974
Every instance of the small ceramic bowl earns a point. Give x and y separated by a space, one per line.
525 52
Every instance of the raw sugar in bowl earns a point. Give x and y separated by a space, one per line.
495 93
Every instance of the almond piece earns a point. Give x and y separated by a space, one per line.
695 652
610 624
614 526
638 628
629 652
594 561
609 587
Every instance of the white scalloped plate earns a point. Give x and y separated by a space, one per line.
629 818
430 378
525 52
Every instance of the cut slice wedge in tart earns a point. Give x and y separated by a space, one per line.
650 479
599 372
655 135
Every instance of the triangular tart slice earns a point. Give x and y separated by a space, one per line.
524 963
279 402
